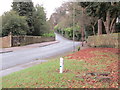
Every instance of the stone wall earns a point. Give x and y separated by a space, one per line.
12 41
25 40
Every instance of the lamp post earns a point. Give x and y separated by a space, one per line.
73 27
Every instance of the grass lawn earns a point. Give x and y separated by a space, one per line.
89 68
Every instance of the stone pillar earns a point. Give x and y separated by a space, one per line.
10 39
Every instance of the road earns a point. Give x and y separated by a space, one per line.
24 56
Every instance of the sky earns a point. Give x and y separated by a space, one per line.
49 5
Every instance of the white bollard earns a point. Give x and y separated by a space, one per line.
61 65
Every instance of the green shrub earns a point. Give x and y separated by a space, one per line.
68 32
78 48
56 27
12 22
50 34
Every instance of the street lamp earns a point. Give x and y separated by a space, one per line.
73 27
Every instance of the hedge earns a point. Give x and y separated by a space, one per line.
105 40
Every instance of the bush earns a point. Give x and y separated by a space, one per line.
56 27
78 48
12 22
68 32
50 34
105 40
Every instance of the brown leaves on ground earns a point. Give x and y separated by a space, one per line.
106 57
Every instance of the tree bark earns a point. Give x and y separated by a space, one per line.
82 35
82 28
93 30
99 26
112 23
108 22
113 28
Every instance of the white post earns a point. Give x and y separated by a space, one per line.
61 65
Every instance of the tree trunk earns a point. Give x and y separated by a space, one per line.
104 22
113 28
93 30
112 23
82 35
108 22
99 26
82 26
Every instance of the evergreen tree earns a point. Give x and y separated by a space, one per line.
25 8
40 23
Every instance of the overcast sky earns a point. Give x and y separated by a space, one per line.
49 5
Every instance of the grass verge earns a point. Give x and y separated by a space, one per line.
80 71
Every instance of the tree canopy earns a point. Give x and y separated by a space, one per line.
25 19
12 22
40 24
24 8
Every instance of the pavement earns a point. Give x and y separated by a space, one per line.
7 50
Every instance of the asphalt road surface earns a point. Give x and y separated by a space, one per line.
24 56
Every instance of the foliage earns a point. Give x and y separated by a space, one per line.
12 22
40 24
118 27
68 32
77 66
108 14
62 16
25 9
72 19
63 19
56 27
50 34
78 48
35 16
